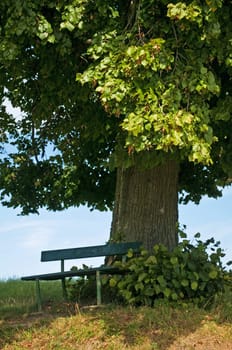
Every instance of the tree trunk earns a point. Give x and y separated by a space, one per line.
146 205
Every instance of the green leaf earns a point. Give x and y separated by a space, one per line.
130 253
127 295
197 235
151 260
182 234
142 276
161 280
184 283
174 260
149 292
139 286
194 285
113 282
174 296
213 274
167 292
157 289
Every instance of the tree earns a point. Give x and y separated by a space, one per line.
124 105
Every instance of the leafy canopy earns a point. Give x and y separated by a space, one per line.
107 84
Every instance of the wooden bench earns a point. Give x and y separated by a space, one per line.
110 249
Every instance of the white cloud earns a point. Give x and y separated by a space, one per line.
37 239
16 226
29 233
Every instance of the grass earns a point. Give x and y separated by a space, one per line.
18 297
64 326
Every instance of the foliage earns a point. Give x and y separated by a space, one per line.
108 84
81 286
83 289
188 273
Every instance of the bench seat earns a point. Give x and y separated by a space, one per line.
81 272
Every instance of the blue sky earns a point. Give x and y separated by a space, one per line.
23 238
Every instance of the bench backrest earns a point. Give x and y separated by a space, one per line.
90 252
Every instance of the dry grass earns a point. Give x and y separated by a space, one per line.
117 328
63 326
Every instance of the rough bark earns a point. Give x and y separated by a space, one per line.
146 205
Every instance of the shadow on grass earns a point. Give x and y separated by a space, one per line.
65 326
18 306
112 327
16 323
151 328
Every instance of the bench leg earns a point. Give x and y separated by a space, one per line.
64 290
98 281
38 295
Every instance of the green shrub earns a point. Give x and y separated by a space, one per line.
83 289
188 273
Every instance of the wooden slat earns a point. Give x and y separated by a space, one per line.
90 252
81 272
